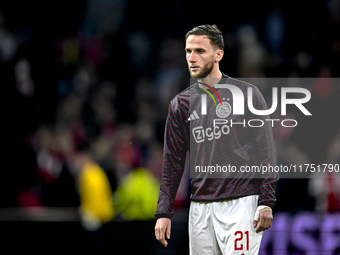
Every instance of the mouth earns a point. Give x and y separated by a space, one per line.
194 68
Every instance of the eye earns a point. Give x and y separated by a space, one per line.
188 51
200 50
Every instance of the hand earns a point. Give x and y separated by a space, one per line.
163 226
266 219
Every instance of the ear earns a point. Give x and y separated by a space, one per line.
218 55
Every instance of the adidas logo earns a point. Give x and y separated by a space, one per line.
193 116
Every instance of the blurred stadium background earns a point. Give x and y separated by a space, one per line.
85 91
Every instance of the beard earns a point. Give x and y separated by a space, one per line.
204 72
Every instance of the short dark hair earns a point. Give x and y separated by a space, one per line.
213 33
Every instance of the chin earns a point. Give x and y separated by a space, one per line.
195 75
202 74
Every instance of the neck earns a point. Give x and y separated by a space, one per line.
212 78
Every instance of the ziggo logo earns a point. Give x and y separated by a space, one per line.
199 133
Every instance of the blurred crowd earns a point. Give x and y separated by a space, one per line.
100 80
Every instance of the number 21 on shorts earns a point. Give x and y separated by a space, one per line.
239 236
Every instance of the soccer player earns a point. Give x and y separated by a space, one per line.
227 212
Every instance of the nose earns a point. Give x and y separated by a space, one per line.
191 58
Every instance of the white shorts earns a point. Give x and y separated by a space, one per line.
224 227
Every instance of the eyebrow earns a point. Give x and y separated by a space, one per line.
195 49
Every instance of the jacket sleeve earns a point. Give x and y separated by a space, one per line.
174 153
265 152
